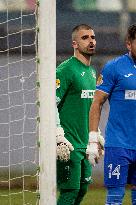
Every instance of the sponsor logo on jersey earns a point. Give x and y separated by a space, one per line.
87 93
100 80
57 83
128 75
130 94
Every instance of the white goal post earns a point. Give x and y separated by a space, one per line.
47 70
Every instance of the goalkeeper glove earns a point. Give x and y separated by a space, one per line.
94 147
63 145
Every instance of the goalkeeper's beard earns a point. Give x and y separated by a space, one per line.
88 53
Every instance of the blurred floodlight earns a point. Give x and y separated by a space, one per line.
14 5
112 5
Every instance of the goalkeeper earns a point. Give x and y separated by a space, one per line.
75 87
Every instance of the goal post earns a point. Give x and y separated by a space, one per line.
47 70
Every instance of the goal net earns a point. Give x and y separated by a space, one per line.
27 102
18 103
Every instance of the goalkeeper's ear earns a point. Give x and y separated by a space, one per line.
74 44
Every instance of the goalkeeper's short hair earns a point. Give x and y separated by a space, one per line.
78 28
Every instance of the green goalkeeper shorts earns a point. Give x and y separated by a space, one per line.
77 170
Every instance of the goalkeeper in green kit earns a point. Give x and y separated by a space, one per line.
77 150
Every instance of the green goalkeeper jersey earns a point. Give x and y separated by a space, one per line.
75 87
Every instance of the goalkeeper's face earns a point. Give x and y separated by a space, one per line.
85 42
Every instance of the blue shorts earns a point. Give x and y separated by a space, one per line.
119 167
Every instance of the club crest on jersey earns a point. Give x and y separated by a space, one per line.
100 80
57 83
87 93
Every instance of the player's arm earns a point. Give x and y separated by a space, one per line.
96 141
105 84
63 82
64 147
95 112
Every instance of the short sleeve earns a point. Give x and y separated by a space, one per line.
63 81
106 80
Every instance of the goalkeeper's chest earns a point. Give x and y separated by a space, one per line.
84 80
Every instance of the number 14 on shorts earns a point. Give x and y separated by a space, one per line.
114 171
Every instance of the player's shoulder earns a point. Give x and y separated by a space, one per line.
117 60
115 63
66 65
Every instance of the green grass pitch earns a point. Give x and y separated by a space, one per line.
96 196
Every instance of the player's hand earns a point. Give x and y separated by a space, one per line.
95 147
92 153
92 150
64 147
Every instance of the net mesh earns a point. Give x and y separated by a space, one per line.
18 105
